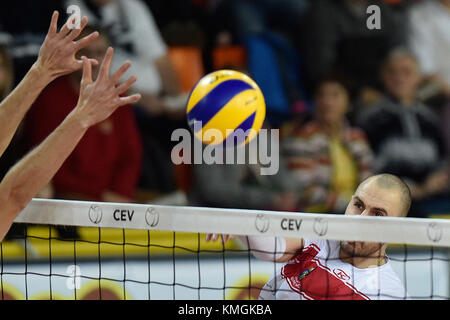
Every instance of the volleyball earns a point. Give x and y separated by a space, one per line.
226 107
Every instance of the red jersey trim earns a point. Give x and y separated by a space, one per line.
309 286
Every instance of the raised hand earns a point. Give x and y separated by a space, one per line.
215 237
100 98
57 53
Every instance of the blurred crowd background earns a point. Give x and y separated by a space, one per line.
349 100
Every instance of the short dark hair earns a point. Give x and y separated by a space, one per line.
333 77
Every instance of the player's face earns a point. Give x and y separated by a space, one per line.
370 200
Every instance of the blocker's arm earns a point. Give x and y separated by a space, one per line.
267 248
97 101
56 58
34 171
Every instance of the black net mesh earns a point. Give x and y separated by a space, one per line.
84 263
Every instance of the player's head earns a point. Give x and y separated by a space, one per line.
401 73
380 195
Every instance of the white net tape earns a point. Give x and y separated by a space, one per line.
415 231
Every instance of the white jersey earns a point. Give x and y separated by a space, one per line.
136 37
317 273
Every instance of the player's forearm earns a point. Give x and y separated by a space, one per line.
36 169
272 248
17 103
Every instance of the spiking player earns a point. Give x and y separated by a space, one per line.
326 269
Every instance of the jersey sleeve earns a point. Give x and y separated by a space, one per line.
328 249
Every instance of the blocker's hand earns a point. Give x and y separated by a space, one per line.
215 237
57 53
100 98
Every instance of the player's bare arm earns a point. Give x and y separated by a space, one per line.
97 101
56 58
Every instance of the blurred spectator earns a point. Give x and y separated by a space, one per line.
182 22
430 41
267 29
6 73
404 133
445 127
135 37
246 18
24 25
106 164
336 37
15 150
242 185
326 156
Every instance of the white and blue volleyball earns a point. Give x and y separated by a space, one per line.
223 105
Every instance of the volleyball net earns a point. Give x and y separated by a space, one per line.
136 251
